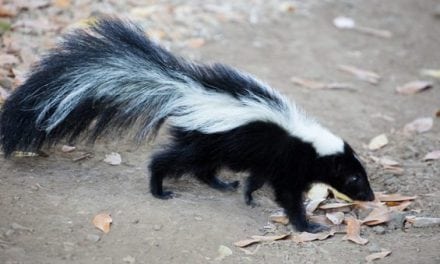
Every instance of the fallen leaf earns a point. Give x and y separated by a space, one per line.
257 239
319 219
6 11
354 231
419 125
339 195
364 75
431 73
336 217
248 252
377 216
335 205
378 142
113 159
318 191
378 255
414 87
223 252
399 206
433 155
387 161
320 85
395 197
102 222
196 43
375 32
287 7
62 3
312 205
279 217
67 149
307 237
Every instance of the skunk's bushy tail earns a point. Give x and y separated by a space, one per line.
110 77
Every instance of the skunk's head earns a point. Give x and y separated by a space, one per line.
344 172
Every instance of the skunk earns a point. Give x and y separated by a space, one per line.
111 77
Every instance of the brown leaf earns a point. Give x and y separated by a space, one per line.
258 239
336 217
7 11
414 87
67 149
378 142
102 222
377 216
307 237
335 205
378 255
354 231
395 197
433 155
364 75
419 125
320 85
62 3
279 217
399 206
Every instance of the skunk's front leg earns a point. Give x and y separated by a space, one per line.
294 206
253 183
160 166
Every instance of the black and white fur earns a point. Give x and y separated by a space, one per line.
110 77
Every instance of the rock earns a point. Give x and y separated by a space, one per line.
223 252
380 230
426 222
397 220
93 237
157 227
129 259
374 248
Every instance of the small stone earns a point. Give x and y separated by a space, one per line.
198 218
380 230
426 222
93 237
129 259
374 248
397 220
157 227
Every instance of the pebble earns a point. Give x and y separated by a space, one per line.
379 230
397 220
426 222
93 237
157 227
129 259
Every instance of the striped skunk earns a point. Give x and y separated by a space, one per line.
110 77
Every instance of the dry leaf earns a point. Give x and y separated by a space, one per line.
62 3
395 197
307 237
378 142
378 255
320 85
223 252
318 191
431 73
319 219
287 7
340 196
335 205
6 11
279 217
378 216
67 149
113 159
312 205
196 43
102 222
364 75
375 32
433 155
399 206
414 87
420 125
354 231
257 239
336 217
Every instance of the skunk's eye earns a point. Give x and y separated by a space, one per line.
352 179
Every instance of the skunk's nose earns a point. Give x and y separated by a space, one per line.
370 196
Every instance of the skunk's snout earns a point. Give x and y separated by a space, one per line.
365 196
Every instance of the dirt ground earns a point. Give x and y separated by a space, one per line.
47 204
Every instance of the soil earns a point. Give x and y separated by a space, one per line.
47 203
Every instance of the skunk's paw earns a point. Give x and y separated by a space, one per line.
164 195
250 201
311 227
